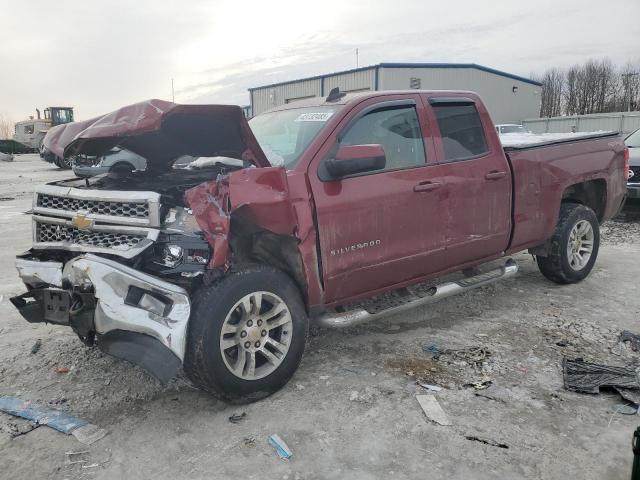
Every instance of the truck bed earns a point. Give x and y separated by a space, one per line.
522 141
543 172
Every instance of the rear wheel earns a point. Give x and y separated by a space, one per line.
574 245
246 334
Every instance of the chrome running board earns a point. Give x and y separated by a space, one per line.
416 297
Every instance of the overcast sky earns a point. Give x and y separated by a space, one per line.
99 55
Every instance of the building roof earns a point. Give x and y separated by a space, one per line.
407 65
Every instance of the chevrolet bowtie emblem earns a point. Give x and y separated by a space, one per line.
81 222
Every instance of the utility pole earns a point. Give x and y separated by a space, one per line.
629 87
357 62
173 95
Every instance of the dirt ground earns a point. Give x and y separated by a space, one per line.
350 411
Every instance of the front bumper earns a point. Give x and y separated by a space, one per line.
134 316
633 190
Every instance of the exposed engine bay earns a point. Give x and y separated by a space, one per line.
153 231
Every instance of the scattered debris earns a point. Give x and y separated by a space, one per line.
486 441
237 418
282 449
18 428
433 410
480 385
420 369
632 338
36 347
60 421
249 441
62 370
494 393
89 434
474 356
629 394
563 343
74 458
580 376
625 409
433 349
433 388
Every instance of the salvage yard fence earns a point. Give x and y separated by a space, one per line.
625 122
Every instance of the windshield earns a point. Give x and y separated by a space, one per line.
633 140
285 134
513 129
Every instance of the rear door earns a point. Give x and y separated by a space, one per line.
476 176
380 228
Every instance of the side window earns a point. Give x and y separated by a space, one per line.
396 129
28 129
461 131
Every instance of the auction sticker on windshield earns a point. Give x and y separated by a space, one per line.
314 117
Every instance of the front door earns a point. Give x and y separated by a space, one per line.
380 228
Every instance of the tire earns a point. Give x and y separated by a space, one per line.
63 163
559 266
209 362
122 168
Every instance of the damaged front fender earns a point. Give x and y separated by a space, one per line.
269 199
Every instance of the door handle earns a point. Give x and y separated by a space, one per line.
495 175
426 186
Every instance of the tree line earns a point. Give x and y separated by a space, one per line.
596 86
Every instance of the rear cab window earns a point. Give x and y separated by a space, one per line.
461 131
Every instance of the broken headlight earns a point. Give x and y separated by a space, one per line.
172 255
178 253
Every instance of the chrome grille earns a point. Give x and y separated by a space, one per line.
50 232
98 221
117 209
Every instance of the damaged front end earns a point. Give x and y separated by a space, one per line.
132 315
118 257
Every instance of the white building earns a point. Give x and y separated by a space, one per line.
509 98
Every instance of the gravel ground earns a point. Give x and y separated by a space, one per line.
350 411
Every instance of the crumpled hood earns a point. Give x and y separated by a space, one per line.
161 131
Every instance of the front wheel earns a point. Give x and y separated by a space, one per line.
247 334
574 245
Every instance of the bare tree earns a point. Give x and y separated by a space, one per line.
571 91
6 127
630 87
552 91
597 86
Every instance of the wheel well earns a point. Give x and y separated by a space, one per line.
591 194
122 164
252 244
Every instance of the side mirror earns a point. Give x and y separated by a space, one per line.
351 159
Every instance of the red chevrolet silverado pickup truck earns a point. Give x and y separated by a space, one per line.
337 210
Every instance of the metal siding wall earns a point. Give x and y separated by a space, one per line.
361 80
270 97
495 90
625 122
